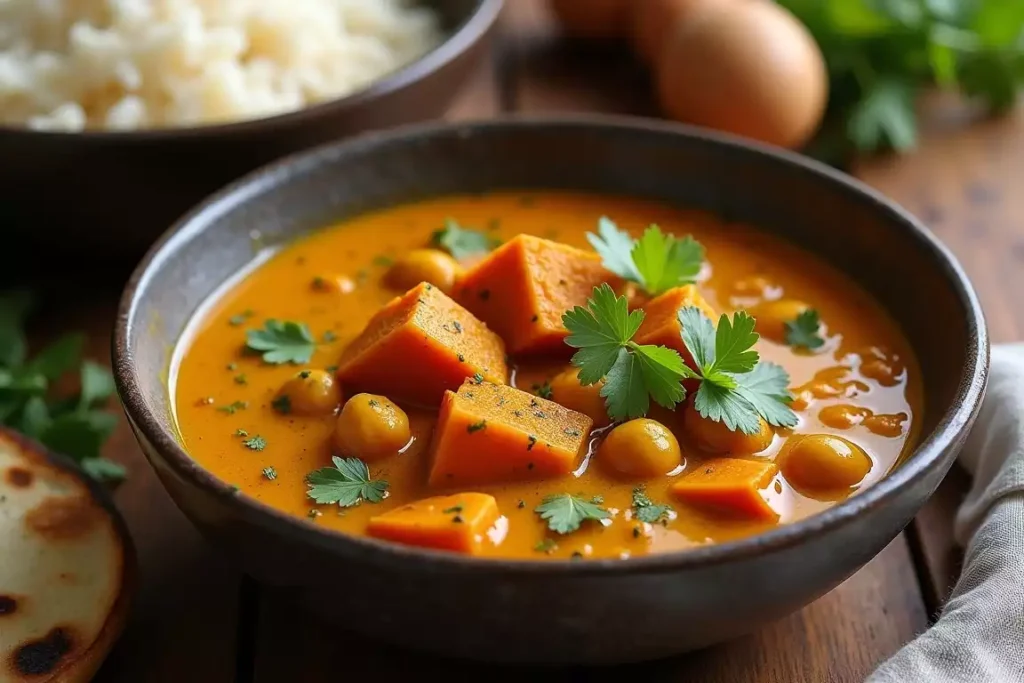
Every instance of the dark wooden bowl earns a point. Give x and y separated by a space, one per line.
112 193
597 611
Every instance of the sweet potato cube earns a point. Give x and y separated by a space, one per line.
522 289
418 346
488 433
661 323
729 485
457 522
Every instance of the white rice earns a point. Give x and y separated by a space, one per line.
129 64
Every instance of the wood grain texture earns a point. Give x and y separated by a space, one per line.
964 183
183 621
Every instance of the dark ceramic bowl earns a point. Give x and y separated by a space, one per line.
118 191
597 611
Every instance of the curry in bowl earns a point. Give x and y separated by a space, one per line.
549 375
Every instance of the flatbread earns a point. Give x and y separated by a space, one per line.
67 568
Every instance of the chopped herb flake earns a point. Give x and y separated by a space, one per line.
282 404
233 408
255 443
476 426
269 473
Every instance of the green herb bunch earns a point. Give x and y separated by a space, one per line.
75 425
881 54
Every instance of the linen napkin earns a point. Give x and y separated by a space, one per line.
980 635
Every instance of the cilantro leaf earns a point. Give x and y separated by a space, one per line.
615 248
803 332
60 357
564 512
734 343
698 335
661 369
347 483
722 404
766 389
462 243
646 510
97 384
602 333
885 118
14 306
665 262
657 261
624 390
599 331
80 434
104 470
282 342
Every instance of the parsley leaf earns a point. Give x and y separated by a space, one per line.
564 512
462 243
282 342
803 332
646 510
347 483
633 373
657 261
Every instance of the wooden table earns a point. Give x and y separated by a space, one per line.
197 619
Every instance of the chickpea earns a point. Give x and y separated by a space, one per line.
844 416
640 449
567 391
825 463
772 317
715 437
886 425
424 265
371 427
311 392
338 284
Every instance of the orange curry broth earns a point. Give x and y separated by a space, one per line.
281 288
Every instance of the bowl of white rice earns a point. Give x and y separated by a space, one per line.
117 115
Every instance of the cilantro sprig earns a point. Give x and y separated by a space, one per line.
282 342
657 262
75 425
565 512
735 386
346 484
633 373
803 332
462 243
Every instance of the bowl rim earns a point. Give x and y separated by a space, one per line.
931 453
467 34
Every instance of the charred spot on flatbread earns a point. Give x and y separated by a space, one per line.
43 656
60 519
19 477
